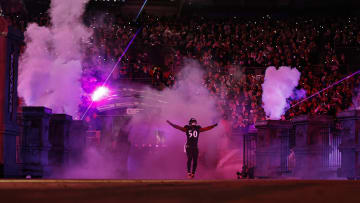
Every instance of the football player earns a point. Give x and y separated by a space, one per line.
191 147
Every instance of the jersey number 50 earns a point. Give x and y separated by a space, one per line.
193 133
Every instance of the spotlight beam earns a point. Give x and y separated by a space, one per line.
330 86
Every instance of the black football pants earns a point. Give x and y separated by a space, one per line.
192 154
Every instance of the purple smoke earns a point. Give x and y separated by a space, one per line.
50 69
298 94
156 149
278 86
189 99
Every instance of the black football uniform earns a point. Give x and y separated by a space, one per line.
191 146
192 152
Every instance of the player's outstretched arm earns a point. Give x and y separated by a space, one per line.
208 128
176 126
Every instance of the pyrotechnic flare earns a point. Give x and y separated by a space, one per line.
113 69
100 93
118 61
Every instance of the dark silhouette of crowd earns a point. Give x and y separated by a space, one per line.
234 53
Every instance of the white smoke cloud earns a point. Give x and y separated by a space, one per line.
278 86
50 69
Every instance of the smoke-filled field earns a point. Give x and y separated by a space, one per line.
178 191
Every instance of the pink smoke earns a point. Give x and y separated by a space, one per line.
156 149
279 85
189 99
50 69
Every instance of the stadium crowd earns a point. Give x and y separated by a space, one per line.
229 50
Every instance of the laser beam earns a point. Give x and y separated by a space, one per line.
330 86
113 69
142 7
122 55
